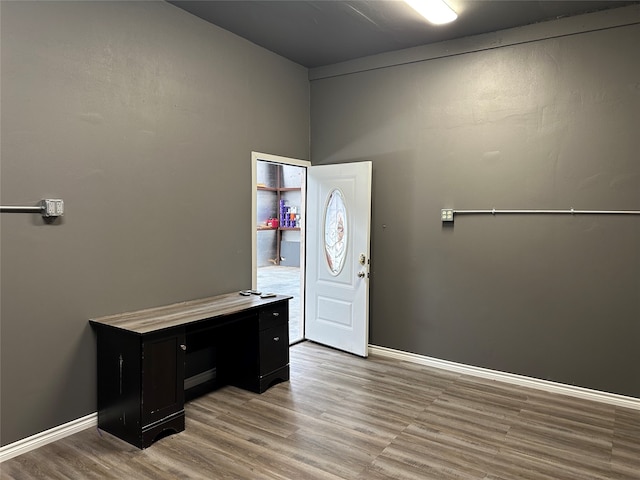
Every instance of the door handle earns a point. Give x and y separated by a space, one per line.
361 274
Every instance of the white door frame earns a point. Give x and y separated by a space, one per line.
267 157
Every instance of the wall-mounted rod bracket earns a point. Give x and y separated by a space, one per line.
49 207
448 214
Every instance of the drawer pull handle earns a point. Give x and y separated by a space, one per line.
183 346
276 314
276 339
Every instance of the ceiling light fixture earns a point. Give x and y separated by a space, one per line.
436 11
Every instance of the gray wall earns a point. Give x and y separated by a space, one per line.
142 118
548 124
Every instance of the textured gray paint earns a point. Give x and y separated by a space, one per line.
548 124
142 118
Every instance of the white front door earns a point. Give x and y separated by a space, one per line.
337 260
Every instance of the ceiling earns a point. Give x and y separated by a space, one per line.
315 33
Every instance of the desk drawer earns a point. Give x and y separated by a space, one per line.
274 348
273 315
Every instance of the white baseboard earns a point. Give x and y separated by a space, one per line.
40 439
554 387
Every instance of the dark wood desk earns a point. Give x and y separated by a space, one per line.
150 360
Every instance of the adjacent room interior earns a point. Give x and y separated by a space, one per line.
280 207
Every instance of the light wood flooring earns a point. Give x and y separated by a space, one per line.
344 417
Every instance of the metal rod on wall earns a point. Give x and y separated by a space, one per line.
17 209
49 207
448 213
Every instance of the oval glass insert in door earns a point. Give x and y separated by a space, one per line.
335 231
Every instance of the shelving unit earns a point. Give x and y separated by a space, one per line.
270 192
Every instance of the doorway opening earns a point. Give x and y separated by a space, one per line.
279 215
